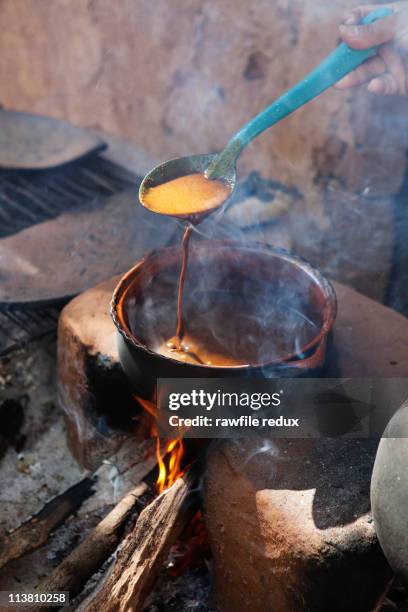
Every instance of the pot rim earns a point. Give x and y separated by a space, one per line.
329 309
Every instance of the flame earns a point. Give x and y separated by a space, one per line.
193 547
170 457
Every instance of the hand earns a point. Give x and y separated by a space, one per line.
386 73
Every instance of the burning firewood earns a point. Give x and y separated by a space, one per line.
146 547
35 532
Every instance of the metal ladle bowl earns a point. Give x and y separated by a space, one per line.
221 166
182 166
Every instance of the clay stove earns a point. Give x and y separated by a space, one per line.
287 503
283 518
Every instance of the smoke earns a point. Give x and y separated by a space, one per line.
242 301
323 188
344 153
265 447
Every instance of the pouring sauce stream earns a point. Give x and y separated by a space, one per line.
189 197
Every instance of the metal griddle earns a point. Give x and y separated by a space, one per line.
69 218
34 142
52 261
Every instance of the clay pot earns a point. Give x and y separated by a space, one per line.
389 492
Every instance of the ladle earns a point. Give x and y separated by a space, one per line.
222 165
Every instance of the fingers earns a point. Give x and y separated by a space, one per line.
385 73
385 85
355 16
395 66
373 34
396 72
363 74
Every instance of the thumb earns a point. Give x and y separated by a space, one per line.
366 36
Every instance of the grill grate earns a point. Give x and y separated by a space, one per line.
32 197
21 326
27 198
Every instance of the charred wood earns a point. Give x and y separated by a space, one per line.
35 532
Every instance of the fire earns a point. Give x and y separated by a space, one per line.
169 473
170 456
193 546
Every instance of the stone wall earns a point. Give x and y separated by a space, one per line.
180 76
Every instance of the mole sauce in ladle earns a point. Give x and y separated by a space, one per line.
189 197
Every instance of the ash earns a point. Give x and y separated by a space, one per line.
189 592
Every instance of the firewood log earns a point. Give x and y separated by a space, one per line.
76 569
146 548
35 532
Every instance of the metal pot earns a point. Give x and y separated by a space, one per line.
276 308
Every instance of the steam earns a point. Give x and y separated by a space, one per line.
344 152
323 184
265 447
232 302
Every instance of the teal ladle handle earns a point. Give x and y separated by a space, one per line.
334 67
